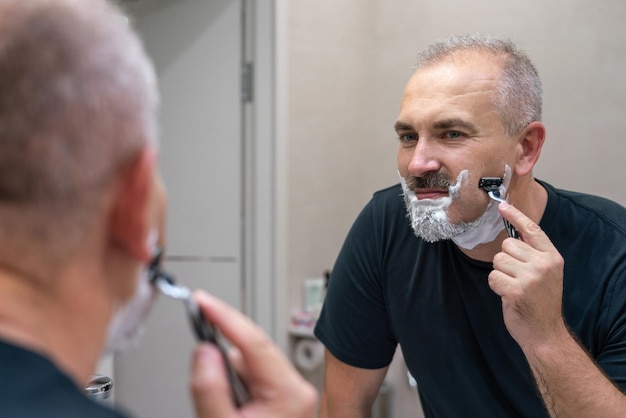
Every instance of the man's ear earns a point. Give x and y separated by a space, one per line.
529 148
131 213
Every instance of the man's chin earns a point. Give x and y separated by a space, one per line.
440 230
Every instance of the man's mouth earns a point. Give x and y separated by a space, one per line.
432 194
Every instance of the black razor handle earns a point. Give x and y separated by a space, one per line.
491 186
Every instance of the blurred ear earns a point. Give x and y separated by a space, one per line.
530 143
131 221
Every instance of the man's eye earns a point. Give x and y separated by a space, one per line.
453 135
408 137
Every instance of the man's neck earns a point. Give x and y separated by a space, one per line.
46 321
485 252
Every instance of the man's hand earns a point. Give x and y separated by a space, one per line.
276 389
528 276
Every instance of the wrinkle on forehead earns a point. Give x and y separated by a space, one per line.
466 71
452 90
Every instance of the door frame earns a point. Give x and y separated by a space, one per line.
264 223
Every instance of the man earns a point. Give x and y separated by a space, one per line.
81 211
489 326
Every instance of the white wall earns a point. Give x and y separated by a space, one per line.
218 164
348 62
196 49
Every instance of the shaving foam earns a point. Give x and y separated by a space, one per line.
127 324
489 225
429 217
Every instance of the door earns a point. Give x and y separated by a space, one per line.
196 48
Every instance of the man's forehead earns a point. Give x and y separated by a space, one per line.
464 69
452 79
457 72
468 58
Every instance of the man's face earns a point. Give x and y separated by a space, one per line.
449 137
126 326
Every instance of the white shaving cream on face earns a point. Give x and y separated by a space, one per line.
429 217
126 326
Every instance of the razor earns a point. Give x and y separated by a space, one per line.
202 328
492 186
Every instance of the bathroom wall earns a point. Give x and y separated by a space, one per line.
347 65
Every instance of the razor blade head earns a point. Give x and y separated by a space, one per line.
490 183
492 186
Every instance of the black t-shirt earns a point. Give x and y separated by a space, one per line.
33 387
389 287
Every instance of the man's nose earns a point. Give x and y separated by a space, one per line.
424 159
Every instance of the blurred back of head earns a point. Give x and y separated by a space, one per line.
78 102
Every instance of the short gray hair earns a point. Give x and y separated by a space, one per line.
78 100
518 99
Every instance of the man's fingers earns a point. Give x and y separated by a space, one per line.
505 263
500 283
237 361
529 231
209 386
257 350
274 385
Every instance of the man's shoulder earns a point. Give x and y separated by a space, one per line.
32 386
387 204
391 195
391 191
591 207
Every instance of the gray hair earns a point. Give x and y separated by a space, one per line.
78 101
518 97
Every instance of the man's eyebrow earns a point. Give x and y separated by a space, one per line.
402 126
455 123
442 124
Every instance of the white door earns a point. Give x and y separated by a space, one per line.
196 47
